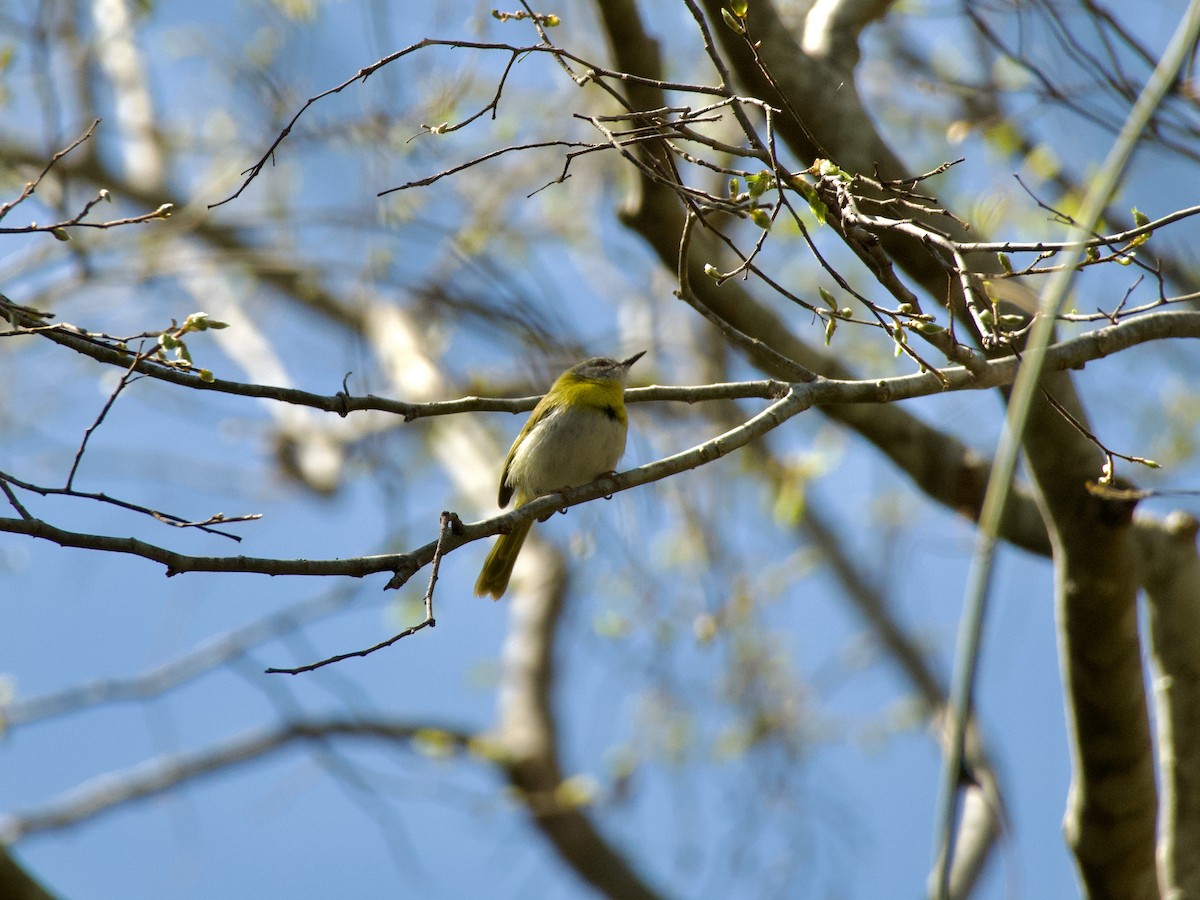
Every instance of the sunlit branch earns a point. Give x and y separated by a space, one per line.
105 350
799 397
1121 237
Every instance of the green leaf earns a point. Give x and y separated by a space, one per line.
819 210
791 499
1140 218
611 624
434 743
759 183
199 321
60 234
760 218
739 8
732 22
576 791
705 628
828 298
1005 262
827 168
487 748
809 193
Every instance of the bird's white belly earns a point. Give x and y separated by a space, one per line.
568 448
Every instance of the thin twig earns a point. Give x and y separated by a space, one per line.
91 429
450 522
12 498
32 186
164 517
594 73
793 369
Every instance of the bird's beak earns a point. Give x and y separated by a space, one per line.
629 362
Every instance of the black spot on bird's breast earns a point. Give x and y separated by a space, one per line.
612 413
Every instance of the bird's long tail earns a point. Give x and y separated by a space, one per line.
498 566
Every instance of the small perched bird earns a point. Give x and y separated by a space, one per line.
575 434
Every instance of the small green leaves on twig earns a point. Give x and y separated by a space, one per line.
756 185
735 22
1140 219
759 183
828 169
831 320
168 341
171 340
546 20
199 321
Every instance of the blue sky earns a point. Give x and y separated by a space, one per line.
849 814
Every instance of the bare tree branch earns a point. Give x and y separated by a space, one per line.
1171 576
158 776
16 883
800 397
